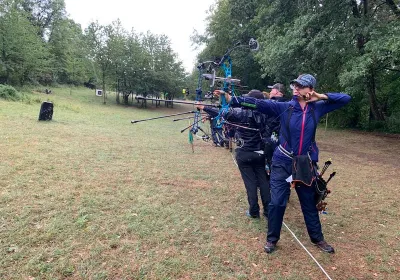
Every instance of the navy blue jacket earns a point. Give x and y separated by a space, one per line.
251 140
273 122
302 124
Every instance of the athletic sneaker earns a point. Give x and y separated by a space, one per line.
269 247
252 216
324 246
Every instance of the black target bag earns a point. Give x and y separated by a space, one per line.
46 111
303 170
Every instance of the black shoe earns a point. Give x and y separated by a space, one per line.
252 216
269 247
324 246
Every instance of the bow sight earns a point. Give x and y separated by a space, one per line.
226 63
253 45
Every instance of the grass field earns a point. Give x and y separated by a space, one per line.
88 195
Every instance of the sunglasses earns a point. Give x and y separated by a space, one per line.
297 85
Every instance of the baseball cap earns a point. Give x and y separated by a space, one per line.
306 80
278 86
255 93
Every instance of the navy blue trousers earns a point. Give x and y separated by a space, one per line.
252 169
280 191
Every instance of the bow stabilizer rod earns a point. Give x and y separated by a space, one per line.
193 124
161 117
241 126
175 101
186 118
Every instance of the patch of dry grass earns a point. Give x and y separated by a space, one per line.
91 196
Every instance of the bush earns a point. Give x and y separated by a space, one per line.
9 93
393 123
375 125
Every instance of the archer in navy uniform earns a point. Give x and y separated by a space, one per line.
250 153
299 119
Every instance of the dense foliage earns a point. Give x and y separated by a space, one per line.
351 46
39 44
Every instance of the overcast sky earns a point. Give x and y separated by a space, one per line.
175 18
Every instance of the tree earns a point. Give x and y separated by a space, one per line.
351 46
376 41
67 53
43 14
97 37
164 72
23 55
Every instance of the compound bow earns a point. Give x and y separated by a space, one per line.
220 127
217 123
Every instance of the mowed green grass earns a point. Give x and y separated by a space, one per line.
89 195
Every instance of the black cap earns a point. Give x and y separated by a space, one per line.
278 86
255 93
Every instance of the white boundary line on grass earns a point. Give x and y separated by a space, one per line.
308 252
234 160
295 237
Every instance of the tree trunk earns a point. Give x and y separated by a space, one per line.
4 58
104 86
116 84
362 39
373 101
117 90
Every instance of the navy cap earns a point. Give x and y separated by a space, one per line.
306 80
255 93
279 87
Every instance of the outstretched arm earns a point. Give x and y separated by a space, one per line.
231 114
213 112
268 107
